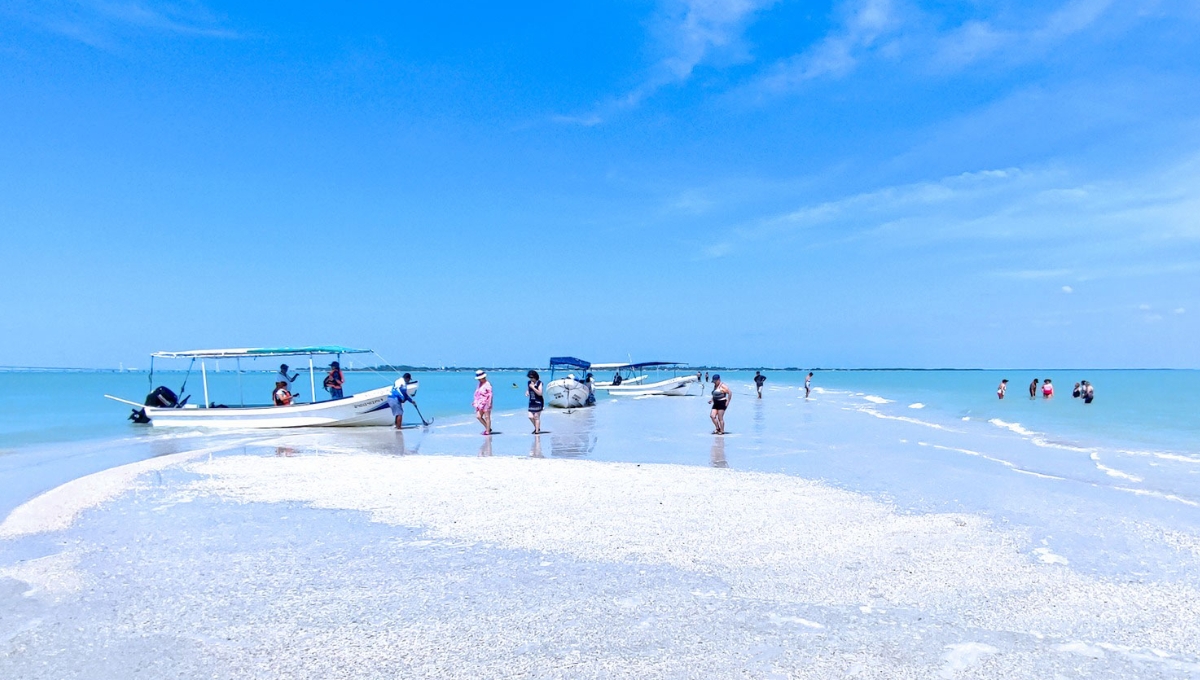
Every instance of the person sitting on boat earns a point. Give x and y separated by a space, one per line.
335 380
282 396
617 378
397 397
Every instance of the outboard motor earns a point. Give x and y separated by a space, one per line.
162 397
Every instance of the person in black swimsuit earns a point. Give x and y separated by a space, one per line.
721 396
536 400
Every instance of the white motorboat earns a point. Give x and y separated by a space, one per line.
675 386
672 387
570 392
621 369
163 408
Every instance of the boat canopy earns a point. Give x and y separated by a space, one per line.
641 364
260 352
555 362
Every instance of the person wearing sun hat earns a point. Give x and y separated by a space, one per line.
483 402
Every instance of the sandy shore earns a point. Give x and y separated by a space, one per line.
373 565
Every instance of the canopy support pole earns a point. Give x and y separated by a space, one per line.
204 377
312 381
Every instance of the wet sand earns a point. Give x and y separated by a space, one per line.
331 554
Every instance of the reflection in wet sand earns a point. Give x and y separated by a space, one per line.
759 420
573 436
285 451
535 450
485 449
717 453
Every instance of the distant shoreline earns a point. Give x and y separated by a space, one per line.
461 369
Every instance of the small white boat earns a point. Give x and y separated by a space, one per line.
675 386
618 368
569 392
672 387
163 408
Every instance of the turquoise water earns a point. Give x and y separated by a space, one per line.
1139 409
1142 430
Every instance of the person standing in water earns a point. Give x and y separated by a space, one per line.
721 396
1047 389
533 390
759 379
1033 389
396 399
808 385
706 376
1076 392
1088 392
483 402
1002 389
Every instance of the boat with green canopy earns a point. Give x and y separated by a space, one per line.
164 407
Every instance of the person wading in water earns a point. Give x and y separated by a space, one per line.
721 396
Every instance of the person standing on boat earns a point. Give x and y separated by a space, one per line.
537 401
759 379
282 376
335 380
483 402
721 396
396 399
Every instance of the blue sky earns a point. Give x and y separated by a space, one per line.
858 183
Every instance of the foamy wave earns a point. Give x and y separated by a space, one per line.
902 419
1008 464
1012 427
876 400
1112 472
1164 455
1158 494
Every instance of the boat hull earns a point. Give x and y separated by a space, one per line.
673 387
365 409
568 393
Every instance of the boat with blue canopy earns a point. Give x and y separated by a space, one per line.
570 392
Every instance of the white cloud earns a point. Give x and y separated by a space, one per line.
688 33
106 23
1068 289
1178 310
1053 224
838 53
1143 307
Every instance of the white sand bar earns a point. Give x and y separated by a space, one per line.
775 540
375 565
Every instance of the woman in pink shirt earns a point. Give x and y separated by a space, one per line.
483 402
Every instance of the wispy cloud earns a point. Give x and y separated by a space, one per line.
105 24
1085 229
863 25
687 34
977 39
